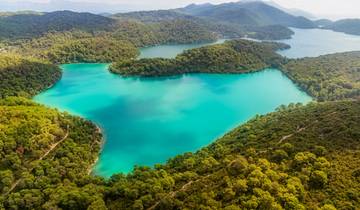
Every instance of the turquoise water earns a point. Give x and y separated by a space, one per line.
315 42
147 121
171 50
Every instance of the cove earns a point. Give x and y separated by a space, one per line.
147 121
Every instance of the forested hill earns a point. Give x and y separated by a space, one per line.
223 28
271 162
253 13
32 25
349 26
26 77
328 77
43 153
236 56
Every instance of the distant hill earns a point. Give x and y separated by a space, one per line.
229 29
154 16
248 13
323 22
349 26
32 25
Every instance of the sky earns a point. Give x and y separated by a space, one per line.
333 9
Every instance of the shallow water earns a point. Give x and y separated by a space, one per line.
147 121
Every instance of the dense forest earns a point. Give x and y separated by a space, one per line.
30 25
77 47
44 153
26 77
328 77
179 31
220 28
236 56
298 157
271 162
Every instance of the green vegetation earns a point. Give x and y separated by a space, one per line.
220 28
271 32
77 47
349 26
32 25
179 31
44 153
271 162
328 77
25 76
237 56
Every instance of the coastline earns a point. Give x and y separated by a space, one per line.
101 145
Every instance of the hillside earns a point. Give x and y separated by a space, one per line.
271 162
328 77
21 76
349 26
177 31
34 25
43 152
77 47
248 13
236 56
221 28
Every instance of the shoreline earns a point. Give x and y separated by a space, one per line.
99 130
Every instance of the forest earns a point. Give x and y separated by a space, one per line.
236 56
22 76
328 77
270 162
77 47
44 152
298 157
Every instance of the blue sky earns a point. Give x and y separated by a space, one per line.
321 8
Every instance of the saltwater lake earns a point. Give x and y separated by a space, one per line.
147 121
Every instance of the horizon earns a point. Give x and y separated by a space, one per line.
313 10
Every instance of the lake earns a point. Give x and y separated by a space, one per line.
147 121
171 50
315 42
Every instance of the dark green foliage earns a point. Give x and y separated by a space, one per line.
238 169
25 76
271 32
225 29
46 173
237 56
173 31
328 77
91 50
34 25
349 26
78 47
